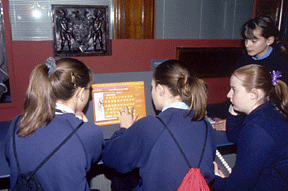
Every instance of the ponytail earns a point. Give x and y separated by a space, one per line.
281 96
39 106
192 90
50 82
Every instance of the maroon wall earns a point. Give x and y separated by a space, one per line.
127 56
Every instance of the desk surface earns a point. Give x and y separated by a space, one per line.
219 138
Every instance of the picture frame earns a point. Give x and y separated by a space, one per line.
80 30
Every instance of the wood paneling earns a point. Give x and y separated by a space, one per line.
269 7
134 19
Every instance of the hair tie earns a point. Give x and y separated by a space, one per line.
51 65
275 75
188 78
73 79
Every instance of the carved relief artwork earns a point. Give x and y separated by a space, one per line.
80 30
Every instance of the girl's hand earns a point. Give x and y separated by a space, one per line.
81 115
220 125
232 111
217 170
126 118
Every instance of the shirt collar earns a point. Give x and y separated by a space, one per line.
63 108
265 56
177 105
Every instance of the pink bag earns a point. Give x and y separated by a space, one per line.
194 180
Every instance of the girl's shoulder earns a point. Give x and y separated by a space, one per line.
278 55
270 121
71 120
146 123
148 119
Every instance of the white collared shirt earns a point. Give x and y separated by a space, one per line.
64 108
177 105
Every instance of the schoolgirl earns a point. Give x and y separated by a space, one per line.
260 107
146 144
57 91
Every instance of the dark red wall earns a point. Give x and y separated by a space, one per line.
127 56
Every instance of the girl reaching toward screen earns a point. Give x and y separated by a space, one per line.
262 147
146 144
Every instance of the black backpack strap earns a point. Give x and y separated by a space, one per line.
14 145
280 174
202 154
50 155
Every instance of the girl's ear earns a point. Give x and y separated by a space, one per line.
160 89
270 40
256 94
79 93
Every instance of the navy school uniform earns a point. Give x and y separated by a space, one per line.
148 146
274 59
262 142
67 168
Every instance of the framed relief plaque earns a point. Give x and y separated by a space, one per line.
80 30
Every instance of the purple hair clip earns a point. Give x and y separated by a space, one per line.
275 76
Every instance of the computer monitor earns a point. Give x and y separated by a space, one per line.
120 84
110 98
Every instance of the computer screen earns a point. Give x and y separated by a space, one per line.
109 123
110 98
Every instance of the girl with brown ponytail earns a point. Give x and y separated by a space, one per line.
147 145
57 91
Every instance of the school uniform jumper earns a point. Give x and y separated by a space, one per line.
147 145
67 168
262 142
274 59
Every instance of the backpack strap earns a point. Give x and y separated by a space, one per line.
202 154
49 156
280 174
14 145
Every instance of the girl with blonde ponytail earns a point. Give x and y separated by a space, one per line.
259 107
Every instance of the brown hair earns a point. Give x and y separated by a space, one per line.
192 90
256 76
267 27
44 90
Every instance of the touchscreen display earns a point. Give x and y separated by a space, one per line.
110 98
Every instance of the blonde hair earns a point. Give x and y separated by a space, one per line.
44 90
192 90
256 76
